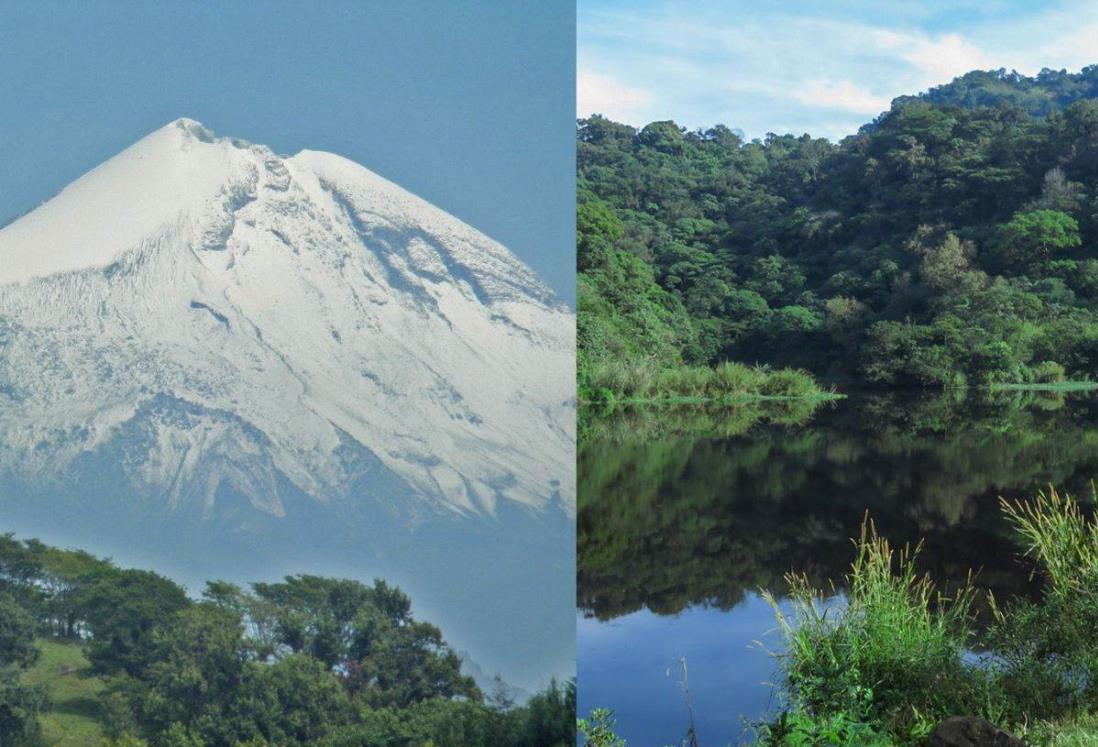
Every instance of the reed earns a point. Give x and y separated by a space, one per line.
618 381
1059 537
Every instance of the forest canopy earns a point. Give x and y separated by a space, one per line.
952 241
305 661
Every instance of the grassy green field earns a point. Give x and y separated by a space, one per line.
73 716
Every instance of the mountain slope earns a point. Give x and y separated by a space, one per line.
1040 95
941 246
225 320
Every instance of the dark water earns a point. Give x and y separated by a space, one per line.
685 514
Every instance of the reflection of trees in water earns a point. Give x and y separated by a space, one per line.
680 518
660 421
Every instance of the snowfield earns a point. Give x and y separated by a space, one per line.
221 317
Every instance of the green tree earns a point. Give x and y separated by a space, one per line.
597 231
20 707
551 717
399 665
295 701
1032 239
195 666
122 609
17 630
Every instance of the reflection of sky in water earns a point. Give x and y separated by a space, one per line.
624 663
670 521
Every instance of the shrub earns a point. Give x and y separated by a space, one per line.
892 659
892 654
1047 651
1047 372
797 729
788 383
736 377
598 730
614 381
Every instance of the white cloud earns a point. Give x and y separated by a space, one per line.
818 68
936 59
1072 48
602 94
840 94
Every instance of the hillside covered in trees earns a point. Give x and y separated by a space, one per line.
305 661
952 241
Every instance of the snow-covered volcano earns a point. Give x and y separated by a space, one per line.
222 318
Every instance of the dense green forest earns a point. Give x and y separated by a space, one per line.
952 241
92 653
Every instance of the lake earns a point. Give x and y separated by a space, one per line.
686 512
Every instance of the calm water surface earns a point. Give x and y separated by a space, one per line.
684 514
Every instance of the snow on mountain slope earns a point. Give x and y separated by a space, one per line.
226 318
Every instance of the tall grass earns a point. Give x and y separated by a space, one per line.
1079 731
1059 537
1049 650
894 655
620 380
881 664
890 653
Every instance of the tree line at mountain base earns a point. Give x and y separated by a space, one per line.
124 658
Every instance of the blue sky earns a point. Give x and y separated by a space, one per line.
469 104
818 67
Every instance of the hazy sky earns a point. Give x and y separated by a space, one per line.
469 104
818 67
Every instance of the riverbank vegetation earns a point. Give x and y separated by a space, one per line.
885 661
644 381
620 422
895 657
950 242
94 654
